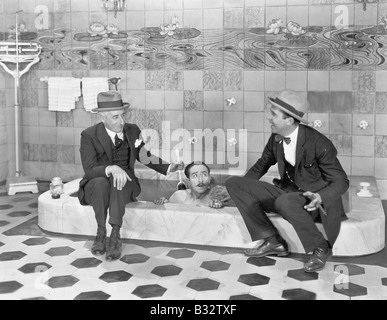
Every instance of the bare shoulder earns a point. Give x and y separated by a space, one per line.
179 196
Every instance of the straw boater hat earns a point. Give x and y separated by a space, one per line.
110 101
291 103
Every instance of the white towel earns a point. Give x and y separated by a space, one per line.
63 92
91 87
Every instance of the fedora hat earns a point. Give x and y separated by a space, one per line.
291 103
110 101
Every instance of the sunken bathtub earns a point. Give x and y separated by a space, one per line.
362 234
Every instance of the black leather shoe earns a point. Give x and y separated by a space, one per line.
268 249
318 260
114 247
99 245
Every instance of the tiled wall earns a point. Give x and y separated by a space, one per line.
220 50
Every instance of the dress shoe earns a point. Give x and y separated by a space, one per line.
99 245
318 260
114 247
267 248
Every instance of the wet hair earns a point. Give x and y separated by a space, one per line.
194 163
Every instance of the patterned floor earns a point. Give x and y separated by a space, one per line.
36 265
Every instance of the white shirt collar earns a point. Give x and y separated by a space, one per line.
294 135
112 134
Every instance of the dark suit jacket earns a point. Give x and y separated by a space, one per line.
96 155
317 169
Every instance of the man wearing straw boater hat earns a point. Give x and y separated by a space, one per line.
310 187
108 153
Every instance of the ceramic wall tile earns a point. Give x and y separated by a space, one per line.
363 146
254 17
380 125
319 101
174 80
64 119
381 146
381 102
49 153
233 18
155 100
213 120
31 152
213 100
340 102
363 166
213 80
193 100
343 143
154 80
233 80
364 102
65 154
364 81
193 120
363 124
174 100
340 123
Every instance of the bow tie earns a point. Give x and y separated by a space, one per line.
280 138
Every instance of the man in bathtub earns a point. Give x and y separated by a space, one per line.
109 151
201 190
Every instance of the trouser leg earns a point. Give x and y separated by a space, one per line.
103 196
291 207
97 194
253 198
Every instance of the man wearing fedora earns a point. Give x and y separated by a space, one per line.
109 151
310 187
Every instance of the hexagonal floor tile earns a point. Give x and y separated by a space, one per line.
11 256
301 275
261 262
167 271
215 266
181 254
1 244
9 286
33 205
16 214
36 241
384 281
3 223
59 251
5 206
135 258
35 267
84 263
62 282
349 269
203 284
298 294
22 199
244 297
116 276
149 291
351 290
254 279
92 295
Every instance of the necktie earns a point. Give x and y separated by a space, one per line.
280 138
117 141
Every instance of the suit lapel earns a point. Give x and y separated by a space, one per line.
280 158
105 140
300 145
131 144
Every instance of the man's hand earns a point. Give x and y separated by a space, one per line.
315 202
120 177
160 201
176 166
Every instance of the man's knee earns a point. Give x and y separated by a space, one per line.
234 183
100 185
287 201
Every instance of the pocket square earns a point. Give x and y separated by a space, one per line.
138 143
